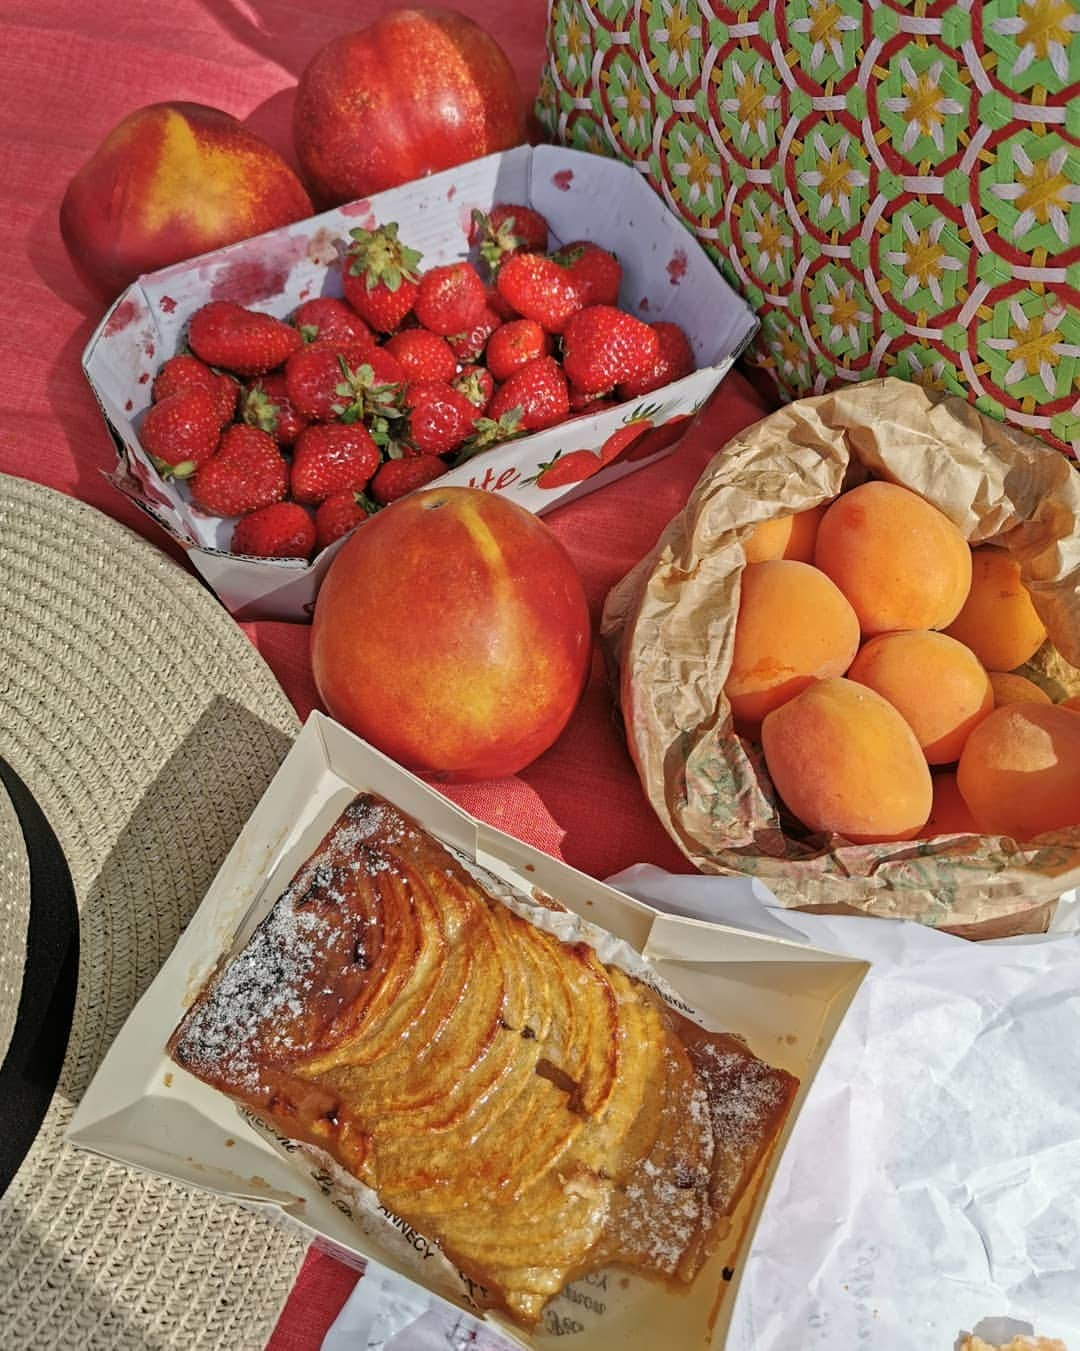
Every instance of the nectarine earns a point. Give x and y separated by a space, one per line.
417 91
452 632
171 181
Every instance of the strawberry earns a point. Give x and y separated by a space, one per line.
469 346
331 457
181 432
337 514
488 432
247 473
185 371
582 402
499 305
327 319
674 360
538 391
281 530
440 417
604 347
246 342
508 228
315 374
266 405
513 344
596 273
422 355
538 288
379 277
395 478
451 299
477 384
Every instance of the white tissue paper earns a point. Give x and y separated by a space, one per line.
932 1183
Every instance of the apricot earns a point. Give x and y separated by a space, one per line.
1072 703
950 814
935 683
793 626
998 621
1015 689
1020 770
900 561
846 763
791 537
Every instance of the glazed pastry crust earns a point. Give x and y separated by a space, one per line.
533 1112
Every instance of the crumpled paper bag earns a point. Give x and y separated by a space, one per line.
668 631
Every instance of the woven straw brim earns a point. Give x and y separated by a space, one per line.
14 914
146 727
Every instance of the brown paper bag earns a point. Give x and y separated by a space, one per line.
668 631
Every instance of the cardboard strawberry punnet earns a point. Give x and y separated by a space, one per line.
669 628
665 276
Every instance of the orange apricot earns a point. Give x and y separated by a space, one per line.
900 561
998 621
1020 771
793 626
791 537
1016 689
937 685
950 814
846 763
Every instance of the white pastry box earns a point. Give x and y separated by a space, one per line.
785 999
666 275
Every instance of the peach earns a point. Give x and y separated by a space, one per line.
1072 703
900 561
938 686
998 621
791 537
1020 771
171 181
1016 689
846 763
793 626
950 814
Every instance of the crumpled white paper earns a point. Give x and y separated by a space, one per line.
932 1183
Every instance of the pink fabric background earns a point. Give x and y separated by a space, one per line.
70 72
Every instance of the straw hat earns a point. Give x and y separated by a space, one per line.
144 726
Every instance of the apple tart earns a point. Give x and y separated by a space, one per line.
533 1112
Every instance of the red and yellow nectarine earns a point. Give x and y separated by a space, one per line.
452 632
171 181
417 91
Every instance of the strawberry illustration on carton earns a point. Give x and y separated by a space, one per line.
581 196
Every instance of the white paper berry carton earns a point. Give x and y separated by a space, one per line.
666 275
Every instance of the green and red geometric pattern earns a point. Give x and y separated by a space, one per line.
894 187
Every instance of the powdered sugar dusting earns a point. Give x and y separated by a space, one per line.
743 1094
248 1015
255 995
